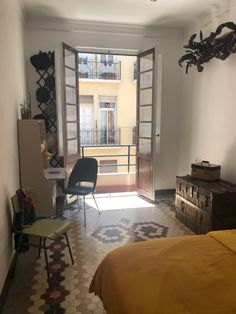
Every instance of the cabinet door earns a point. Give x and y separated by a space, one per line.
32 142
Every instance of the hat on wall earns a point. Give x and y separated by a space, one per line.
42 94
50 81
40 61
42 116
52 57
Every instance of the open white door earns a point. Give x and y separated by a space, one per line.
71 127
146 126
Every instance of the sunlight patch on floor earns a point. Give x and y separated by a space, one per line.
119 201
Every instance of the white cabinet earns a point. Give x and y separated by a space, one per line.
33 164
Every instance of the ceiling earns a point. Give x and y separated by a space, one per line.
174 13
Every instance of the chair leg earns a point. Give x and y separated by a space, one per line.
46 261
16 256
40 246
78 202
65 202
96 204
84 212
69 248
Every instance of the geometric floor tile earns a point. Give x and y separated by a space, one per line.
113 228
136 232
112 233
148 230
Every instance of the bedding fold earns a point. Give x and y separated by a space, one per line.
226 237
184 275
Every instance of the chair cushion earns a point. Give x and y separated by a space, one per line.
47 228
79 190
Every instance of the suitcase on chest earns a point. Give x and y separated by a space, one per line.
205 171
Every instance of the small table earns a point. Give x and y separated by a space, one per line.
55 173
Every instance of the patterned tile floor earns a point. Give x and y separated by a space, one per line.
122 220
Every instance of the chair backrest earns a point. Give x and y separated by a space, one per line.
85 170
15 204
16 210
23 208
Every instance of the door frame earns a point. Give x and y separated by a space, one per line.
69 160
156 93
149 156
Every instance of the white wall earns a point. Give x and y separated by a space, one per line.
208 110
48 35
12 82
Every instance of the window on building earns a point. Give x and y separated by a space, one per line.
107 58
85 57
107 120
86 120
108 166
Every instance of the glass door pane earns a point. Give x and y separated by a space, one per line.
146 80
145 124
145 113
71 104
146 62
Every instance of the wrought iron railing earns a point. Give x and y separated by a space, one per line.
130 153
94 69
99 137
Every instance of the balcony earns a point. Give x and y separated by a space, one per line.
99 137
115 152
112 137
97 70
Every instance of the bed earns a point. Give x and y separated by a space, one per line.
182 275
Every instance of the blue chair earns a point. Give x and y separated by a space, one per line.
83 180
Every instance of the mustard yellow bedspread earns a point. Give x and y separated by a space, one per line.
184 275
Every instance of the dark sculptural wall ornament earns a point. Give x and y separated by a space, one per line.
218 45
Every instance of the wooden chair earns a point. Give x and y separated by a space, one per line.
43 229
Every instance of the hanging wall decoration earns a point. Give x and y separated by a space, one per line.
46 98
216 45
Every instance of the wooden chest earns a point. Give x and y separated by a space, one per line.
204 206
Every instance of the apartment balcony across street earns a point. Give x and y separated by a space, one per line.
100 137
108 118
99 70
94 137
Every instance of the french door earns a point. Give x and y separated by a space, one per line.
145 124
71 132
146 117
